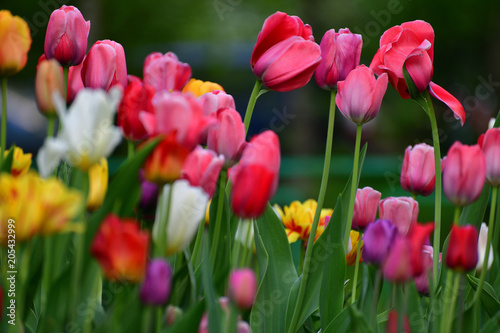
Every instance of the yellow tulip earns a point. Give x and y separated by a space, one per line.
21 162
198 87
15 42
98 180
351 256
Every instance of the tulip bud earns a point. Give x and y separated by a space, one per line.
165 72
215 100
172 314
98 184
21 162
227 136
340 54
49 80
242 287
490 144
462 254
359 97
365 207
417 173
105 66
202 168
402 211
464 173
155 289
66 38
198 87
377 241
15 42
481 248
75 83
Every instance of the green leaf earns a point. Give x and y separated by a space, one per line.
7 161
276 274
415 314
488 296
341 323
492 325
474 213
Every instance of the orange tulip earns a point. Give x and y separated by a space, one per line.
15 42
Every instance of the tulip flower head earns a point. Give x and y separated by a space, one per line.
15 42
199 88
462 254
49 80
75 83
402 211
202 168
422 280
354 243
377 241
98 184
165 72
155 289
490 144
215 100
242 287
481 249
365 207
21 162
418 174
227 135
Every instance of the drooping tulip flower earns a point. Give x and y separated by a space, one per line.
462 254
198 87
340 54
21 162
202 168
481 249
255 178
464 173
365 207
121 249
490 144
242 287
87 134
75 83
15 42
66 38
417 174
105 66
377 241
360 95
155 289
402 211
98 184
137 98
165 72
411 45
215 100
227 135
187 210
422 280
49 80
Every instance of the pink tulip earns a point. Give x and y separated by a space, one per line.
417 173
202 168
365 207
490 144
165 72
227 136
360 95
105 66
422 280
255 178
242 287
464 173
75 83
411 45
215 100
66 38
340 54
402 211
179 113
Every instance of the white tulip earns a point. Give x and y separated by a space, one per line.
87 134
481 248
185 212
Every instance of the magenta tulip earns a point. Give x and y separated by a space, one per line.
165 72
340 54
360 95
417 173
155 289
365 207
377 241
202 168
490 144
215 100
66 38
242 287
462 253
227 136
464 173
402 211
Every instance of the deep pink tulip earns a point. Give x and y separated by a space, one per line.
377 241
227 136
242 287
490 144
215 100
255 178
105 66
202 168
165 72
422 280
365 207
179 113
417 173
155 289
402 211
412 45
462 253
464 173
75 83
340 54
66 38
359 97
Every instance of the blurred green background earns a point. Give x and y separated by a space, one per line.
216 38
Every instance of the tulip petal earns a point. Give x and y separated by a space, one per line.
49 156
449 100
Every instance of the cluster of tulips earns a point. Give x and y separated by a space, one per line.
182 237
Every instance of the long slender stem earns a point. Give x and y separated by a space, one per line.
456 215
218 217
3 135
192 278
130 146
251 104
491 226
451 309
51 126
446 300
354 186
356 269
195 258
47 271
376 294
321 197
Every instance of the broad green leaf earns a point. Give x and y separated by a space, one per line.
414 312
341 323
492 325
488 296
7 161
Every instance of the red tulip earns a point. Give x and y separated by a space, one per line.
165 72
462 248
392 323
227 136
66 38
340 54
422 280
121 249
402 211
490 144
464 173
215 100
137 98
75 83
365 207
411 45
105 66
360 95
255 178
202 168
417 173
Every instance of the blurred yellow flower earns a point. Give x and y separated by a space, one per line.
207 212
198 87
98 181
15 42
21 162
298 218
351 256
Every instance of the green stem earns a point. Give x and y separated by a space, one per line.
302 255
51 121
354 186
247 246
195 259
456 215
65 90
161 241
491 226
131 148
356 269
496 231
47 272
218 217
147 315
450 300
3 139
159 319
192 278
378 281
312 235
251 104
